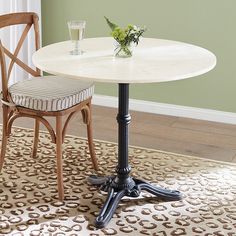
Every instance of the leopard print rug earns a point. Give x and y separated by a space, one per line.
28 192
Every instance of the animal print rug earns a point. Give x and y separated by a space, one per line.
28 192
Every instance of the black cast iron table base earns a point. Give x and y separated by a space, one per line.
123 184
133 189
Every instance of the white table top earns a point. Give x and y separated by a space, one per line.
154 60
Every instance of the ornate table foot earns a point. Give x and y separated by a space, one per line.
115 195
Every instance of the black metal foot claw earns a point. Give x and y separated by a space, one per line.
97 180
166 194
109 207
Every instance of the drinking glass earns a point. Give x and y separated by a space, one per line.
76 30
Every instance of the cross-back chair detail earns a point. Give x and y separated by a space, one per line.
30 19
11 111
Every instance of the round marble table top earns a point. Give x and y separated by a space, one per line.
154 60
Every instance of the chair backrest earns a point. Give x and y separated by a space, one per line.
28 19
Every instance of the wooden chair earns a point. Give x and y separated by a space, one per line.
16 102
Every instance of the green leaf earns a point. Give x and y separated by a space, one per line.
111 25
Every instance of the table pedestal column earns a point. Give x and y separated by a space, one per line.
123 184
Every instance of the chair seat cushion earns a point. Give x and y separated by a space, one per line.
50 93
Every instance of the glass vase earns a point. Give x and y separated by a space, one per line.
123 50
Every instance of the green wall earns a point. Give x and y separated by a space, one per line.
207 23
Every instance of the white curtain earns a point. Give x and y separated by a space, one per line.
10 35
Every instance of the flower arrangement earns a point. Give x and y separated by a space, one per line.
125 38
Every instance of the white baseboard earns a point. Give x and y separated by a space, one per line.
169 109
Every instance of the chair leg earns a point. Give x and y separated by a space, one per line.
59 157
36 139
90 139
4 135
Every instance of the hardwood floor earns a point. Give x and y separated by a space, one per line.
180 135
